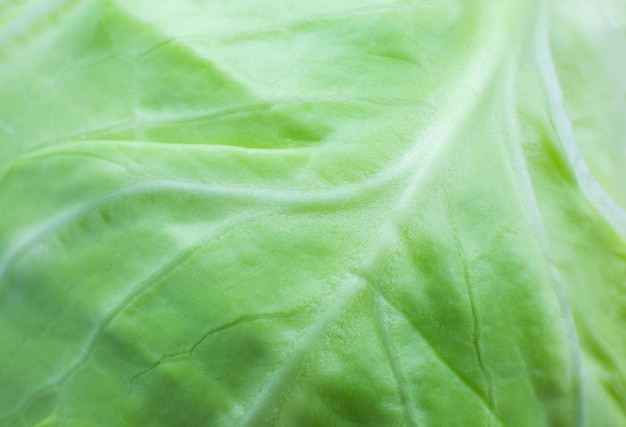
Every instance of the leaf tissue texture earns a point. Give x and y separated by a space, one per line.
329 213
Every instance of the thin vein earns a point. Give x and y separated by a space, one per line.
262 408
416 327
528 199
394 361
228 325
26 240
476 327
520 177
146 120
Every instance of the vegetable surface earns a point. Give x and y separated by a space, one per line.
356 212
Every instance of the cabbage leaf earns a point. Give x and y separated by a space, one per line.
252 213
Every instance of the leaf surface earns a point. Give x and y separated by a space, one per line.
336 213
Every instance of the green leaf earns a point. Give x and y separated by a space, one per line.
328 213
